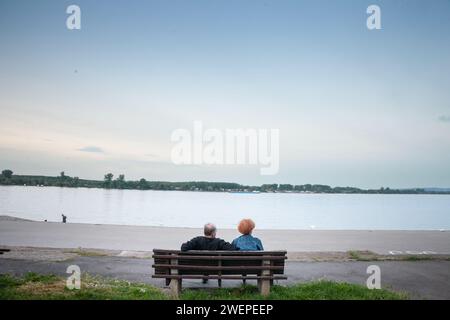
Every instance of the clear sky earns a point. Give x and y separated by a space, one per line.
354 107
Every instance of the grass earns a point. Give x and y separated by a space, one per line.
49 287
362 256
371 256
417 258
87 253
317 290
34 286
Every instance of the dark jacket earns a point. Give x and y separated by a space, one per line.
204 243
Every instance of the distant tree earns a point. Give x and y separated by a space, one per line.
286 187
107 181
142 184
62 179
269 187
7 173
120 181
320 188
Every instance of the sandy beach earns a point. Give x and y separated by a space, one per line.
16 232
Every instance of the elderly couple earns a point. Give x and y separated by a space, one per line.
246 242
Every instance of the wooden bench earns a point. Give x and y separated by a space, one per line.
263 266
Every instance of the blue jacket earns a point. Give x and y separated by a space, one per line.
248 243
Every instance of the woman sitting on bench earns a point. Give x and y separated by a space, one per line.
247 242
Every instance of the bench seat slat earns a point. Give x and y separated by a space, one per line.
208 252
224 277
217 257
198 267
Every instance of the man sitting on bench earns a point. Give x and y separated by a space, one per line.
208 241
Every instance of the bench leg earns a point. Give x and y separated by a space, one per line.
264 287
175 284
264 284
175 288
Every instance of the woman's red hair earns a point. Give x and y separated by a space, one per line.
246 226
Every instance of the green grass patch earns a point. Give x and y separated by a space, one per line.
41 278
49 287
354 255
87 253
33 286
362 255
317 290
417 258
371 256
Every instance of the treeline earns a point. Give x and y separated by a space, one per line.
321 188
111 182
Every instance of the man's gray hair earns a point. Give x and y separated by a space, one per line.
209 229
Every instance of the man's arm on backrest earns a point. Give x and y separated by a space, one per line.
190 245
223 245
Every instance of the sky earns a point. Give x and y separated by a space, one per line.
354 107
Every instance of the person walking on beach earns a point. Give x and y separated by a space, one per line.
208 241
247 242
64 218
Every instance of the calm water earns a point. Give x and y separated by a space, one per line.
192 209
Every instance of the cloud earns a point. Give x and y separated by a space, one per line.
91 149
444 118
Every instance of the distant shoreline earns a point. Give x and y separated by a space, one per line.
237 192
198 186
